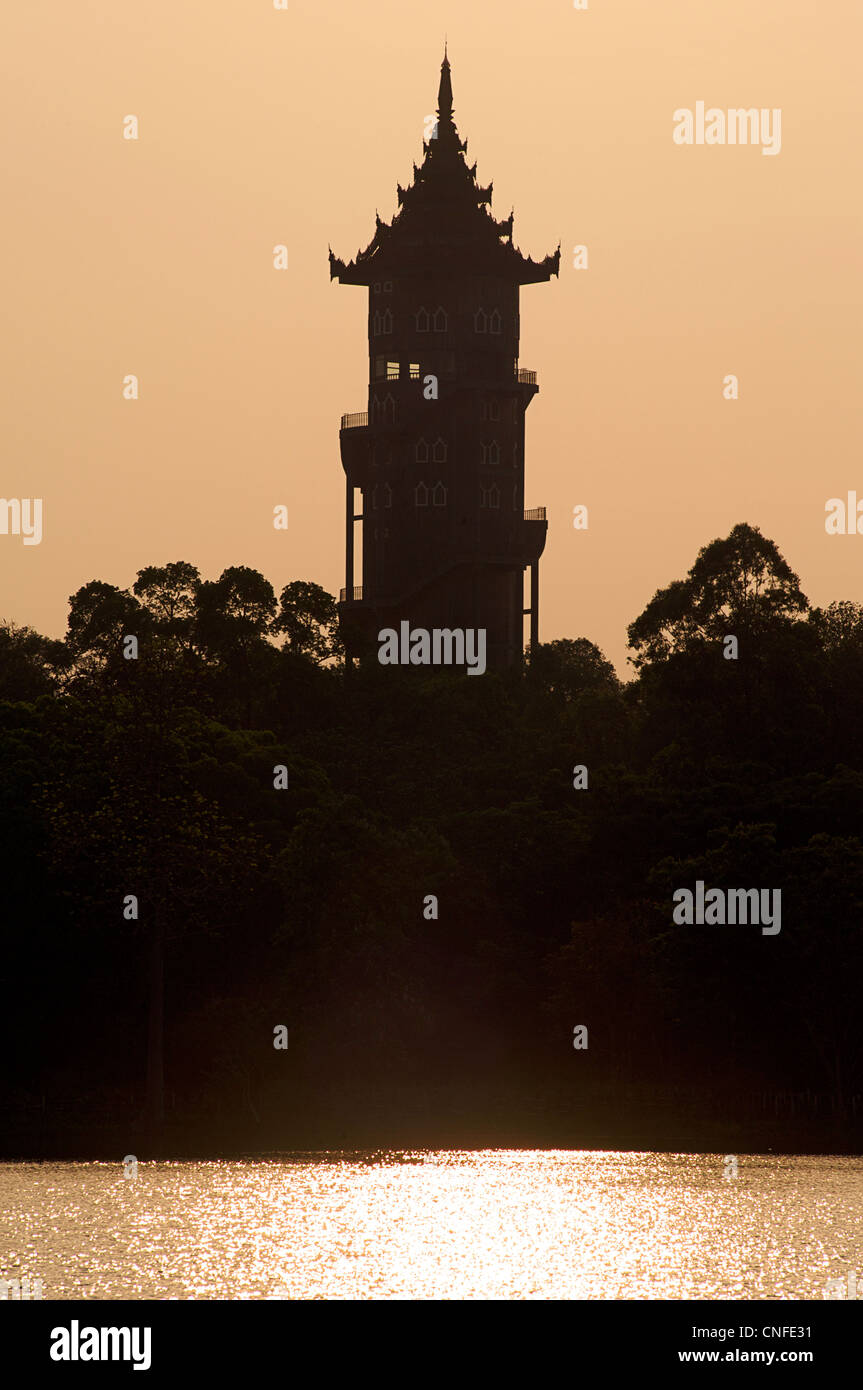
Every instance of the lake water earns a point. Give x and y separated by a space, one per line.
490 1224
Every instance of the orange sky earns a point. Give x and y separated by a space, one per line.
259 127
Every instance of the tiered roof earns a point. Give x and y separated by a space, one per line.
444 223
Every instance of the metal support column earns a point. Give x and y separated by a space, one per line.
534 605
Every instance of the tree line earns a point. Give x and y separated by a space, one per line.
429 897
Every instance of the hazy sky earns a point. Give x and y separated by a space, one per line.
259 127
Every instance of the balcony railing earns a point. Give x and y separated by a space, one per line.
535 514
355 421
525 377
356 594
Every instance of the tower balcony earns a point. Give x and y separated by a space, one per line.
355 445
526 379
356 595
534 532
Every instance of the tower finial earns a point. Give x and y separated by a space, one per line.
444 96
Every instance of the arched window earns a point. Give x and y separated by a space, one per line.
480 321
421 495
376 323
489 496
439 451
440 320
388 499
494 409
439 495
490 451
387 321
494 321
374 498
423 320
389 409
421 453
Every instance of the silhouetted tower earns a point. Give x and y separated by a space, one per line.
439 456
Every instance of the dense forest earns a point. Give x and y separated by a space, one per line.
218 831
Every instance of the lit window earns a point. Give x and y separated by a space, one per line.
392 371
415 371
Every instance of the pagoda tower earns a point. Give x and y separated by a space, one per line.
438 458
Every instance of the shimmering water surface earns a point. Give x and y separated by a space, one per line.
492 1224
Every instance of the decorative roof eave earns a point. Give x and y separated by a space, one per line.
354 272
505 260
534 272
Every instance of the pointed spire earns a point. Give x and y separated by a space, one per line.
444 96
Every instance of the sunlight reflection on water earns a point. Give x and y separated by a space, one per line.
489 1224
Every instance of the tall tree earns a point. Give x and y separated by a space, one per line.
309 618
740 585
